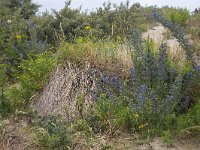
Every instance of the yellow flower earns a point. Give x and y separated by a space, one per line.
136 115
103 95
118 38
18 37
141 126
87 27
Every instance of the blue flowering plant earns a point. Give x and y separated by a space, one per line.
161 90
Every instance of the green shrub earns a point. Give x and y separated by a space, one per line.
33 75
52 133
177 15
190 119
17 38
110 116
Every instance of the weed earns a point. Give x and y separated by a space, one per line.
51 132
167 138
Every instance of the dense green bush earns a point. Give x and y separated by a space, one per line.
177 15
33 75
17 39
109 21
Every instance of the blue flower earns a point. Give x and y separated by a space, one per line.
132 73
141 95
197 68
189 76
172 74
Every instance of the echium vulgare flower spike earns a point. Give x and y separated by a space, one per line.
161 70
196 71
176 89
143 88
120 86
112 97
150 68
140 99
179 85
116 83
179 81
189 75
148 73
132 74
172 74
132 105
153 101
197 68
154 68
28 45
95 95
187 79
147 67
112 81
141 95
185 104
163 58
133 78
165 53
179 33
105 79
168 105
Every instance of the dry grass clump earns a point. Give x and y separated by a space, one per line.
15 135
106 56
67 91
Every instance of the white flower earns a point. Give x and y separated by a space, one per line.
9 21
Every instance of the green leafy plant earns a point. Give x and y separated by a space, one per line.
4 102
177 15
167 138
33 76
52 133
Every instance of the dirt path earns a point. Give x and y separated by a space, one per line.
130 142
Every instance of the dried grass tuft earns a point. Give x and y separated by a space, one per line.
65 85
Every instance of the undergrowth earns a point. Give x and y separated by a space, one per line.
138 88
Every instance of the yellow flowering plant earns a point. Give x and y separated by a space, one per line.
18 37
87 27
141 126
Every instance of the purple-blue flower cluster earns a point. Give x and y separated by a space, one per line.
163 63
111 85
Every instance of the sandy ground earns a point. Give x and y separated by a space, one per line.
130 142
160 35
157 35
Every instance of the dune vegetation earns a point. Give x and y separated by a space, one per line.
72 79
